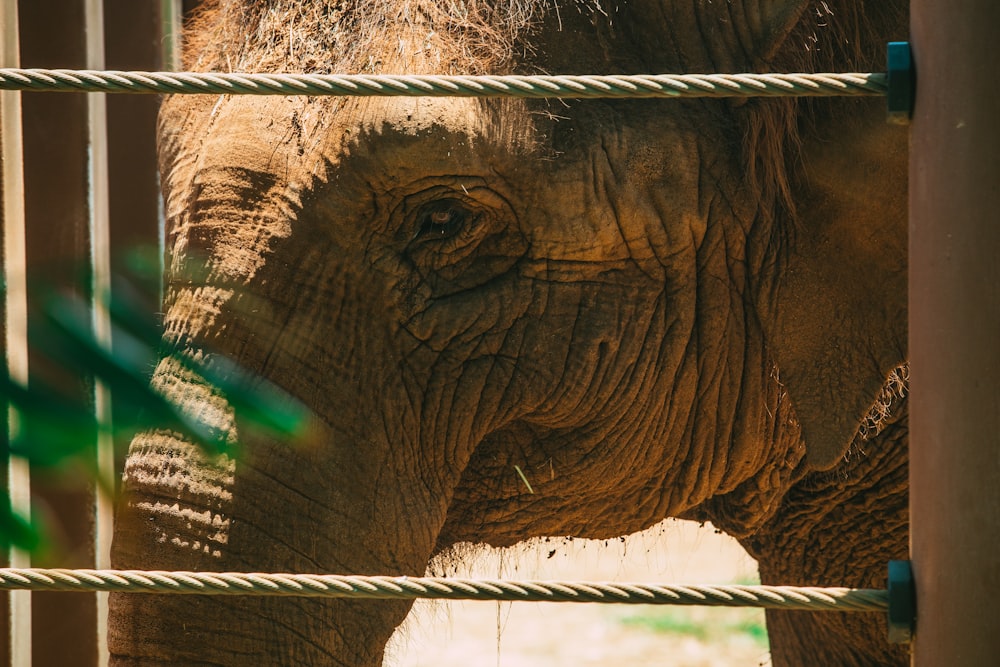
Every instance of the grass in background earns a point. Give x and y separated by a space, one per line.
706 624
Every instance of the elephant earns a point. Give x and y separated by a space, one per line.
516 318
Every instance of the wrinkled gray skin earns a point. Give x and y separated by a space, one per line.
652 308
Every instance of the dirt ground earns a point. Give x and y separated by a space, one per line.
527 634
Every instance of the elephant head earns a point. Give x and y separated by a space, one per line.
508 318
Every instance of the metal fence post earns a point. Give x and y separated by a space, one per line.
955 332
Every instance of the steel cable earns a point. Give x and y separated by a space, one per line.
327 585
589 86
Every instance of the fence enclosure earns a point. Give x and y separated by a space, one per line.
88 192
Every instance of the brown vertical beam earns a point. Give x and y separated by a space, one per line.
59 248
955 332
132 33
133 42
132 39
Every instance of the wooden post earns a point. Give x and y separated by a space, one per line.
99 225
955 332
15 649
59 209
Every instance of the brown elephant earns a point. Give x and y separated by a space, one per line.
647 308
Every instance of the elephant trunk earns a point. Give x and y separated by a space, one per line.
333 503
184 508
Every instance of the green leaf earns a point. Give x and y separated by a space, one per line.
18 532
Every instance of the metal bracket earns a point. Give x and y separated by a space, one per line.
902 83
902 602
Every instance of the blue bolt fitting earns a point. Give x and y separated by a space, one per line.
902 83
902 602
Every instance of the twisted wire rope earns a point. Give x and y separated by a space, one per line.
587 86
380 587
315 585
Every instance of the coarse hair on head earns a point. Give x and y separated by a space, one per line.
362 36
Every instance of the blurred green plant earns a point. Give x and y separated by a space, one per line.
56 424
704 624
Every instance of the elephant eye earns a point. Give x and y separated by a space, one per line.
442 219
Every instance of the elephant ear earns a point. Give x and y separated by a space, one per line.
837 313
840 324
760 28
770 22
706 37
